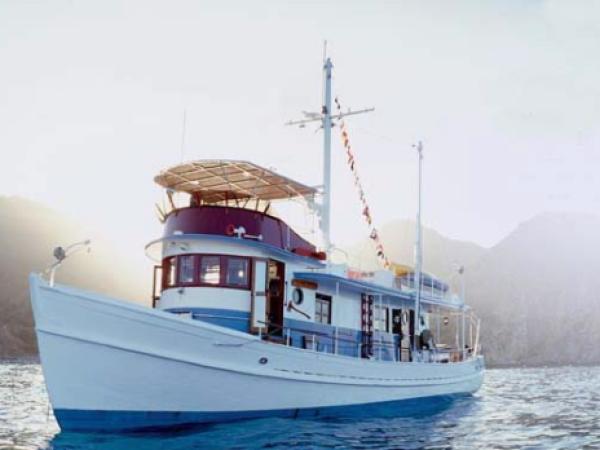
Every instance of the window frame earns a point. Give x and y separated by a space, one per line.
167 266
199 268
323 298
225 271
195 270
167 263
382 318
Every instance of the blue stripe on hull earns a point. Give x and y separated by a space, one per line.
324 335
95 420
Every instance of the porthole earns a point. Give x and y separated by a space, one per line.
263 360
298 296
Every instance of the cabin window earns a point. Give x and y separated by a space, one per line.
237 272
186 269
206 270
210 270
380 318
170 271
323 308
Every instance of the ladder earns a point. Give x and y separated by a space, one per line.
367 325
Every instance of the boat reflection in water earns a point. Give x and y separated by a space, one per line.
416 425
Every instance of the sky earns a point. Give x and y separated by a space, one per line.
505 96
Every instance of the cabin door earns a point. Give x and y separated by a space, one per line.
259 320
397 321
402 332
411 332
397 331
275 297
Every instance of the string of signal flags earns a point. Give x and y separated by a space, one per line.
366 211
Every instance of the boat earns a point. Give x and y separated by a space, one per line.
250 319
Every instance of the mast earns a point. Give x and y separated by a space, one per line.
418 253
327 123
326 118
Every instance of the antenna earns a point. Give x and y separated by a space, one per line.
327 122
183 133
418 252
323 82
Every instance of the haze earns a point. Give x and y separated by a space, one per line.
503 94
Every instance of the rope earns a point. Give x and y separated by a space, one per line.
366 212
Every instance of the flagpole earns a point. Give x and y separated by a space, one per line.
418 255
326 120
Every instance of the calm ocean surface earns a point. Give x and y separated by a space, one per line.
555 408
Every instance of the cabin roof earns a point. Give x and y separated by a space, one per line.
220 180
371 288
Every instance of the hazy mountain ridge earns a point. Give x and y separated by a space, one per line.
29 232
441 255
536 291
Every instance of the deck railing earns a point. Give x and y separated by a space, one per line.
283 335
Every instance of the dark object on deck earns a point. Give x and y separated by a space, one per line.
426 339
310 342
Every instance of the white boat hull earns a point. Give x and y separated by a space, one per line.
115 365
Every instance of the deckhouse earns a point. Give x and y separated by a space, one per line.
227 260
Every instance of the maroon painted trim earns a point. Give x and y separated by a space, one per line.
166 271
155 284
215 220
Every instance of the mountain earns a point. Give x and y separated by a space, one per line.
441 255
537 291
29 232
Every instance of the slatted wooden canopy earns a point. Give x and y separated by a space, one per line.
220 180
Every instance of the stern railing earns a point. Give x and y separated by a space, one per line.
282 335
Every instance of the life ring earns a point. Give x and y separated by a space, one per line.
405 317
230 229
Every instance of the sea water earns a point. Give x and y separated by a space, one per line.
542 408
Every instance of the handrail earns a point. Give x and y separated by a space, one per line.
60 254
434 352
